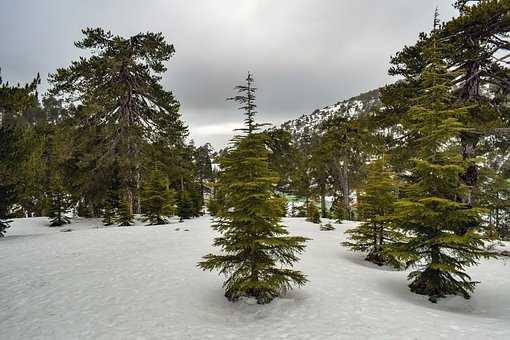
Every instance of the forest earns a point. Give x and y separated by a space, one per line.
425 173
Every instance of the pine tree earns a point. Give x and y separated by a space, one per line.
184 206
158 201
124 215
59 203
254 241
443 229
375 206
312 213
109 210
4 225
119 92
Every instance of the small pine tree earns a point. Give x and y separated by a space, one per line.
444 237
254 242
4 225
312 213
338 211
124 215
109 210
59 203
158 201
184 206
375 207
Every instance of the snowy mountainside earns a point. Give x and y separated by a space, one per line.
310 123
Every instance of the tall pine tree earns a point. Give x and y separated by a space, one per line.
443 229
118 91
254 243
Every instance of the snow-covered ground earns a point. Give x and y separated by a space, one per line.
142 283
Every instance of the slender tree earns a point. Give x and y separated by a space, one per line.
312 213
60 203
254 242
124 215
109 210
158 201
375 207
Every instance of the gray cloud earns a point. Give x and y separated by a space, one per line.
305 54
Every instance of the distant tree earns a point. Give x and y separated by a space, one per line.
375 208
185 206
109 210
60 203
204 171
312 213
158 201
255 245
124 215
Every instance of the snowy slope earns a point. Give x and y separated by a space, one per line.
310 123
142 283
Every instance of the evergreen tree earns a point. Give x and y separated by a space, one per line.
312 213
124 215
375 206
158 201
119 92
59 203
15 103
184 206
254 241
443 229
109 212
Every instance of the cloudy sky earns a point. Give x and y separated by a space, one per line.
305 54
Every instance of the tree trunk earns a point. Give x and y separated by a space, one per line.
323 200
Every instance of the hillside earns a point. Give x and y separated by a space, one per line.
309 123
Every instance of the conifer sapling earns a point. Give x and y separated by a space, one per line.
255 245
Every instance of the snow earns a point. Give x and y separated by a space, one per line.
142 283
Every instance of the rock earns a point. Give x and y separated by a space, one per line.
177 229
186 229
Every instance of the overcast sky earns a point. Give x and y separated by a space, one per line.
305 54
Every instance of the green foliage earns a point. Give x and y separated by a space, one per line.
109 211
443 230
59 203
118 91
312 213
375 206
254 244
338 210
16 104
185 209
124 215
158 201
